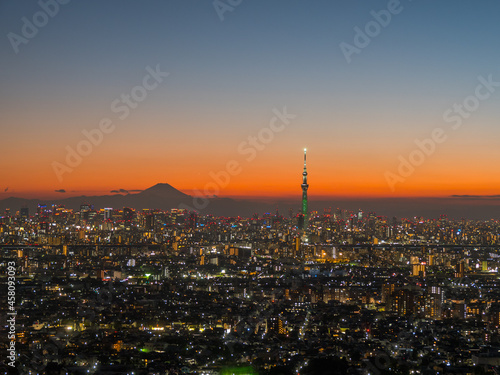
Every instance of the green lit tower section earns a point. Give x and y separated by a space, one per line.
304 186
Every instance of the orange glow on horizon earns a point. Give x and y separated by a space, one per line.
273 173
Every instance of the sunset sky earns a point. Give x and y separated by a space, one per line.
229 74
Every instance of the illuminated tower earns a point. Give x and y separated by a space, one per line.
304 186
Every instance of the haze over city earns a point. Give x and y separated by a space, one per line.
243 187
359 103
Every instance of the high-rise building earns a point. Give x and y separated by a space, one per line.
192 220
107 213
434 302
460 270
300 221
431 260
42 210
484 266
25 212
403 302
296 250
304 186
387 291
275 326
85 207
149 222
419 270
128 214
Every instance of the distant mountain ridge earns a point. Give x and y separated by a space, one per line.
165 197
161 196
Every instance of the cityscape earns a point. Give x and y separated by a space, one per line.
249 187
157 292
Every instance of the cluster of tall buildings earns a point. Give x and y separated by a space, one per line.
168 291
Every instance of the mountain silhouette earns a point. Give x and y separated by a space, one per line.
161 196
165 197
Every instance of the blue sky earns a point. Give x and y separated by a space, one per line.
227 76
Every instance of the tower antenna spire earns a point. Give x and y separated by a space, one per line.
304 187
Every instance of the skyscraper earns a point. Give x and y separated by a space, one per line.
304 186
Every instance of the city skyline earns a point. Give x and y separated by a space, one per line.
217 82
207 201
229 187
159 291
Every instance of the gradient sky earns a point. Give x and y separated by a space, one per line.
227 77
